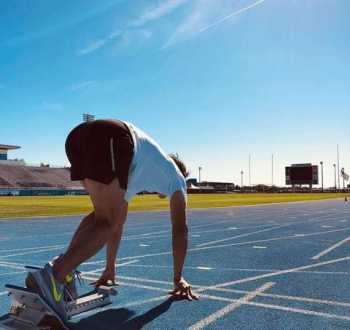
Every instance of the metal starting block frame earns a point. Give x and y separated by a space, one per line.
29 311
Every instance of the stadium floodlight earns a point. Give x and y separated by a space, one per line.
335 177
88 117
199 173
242 179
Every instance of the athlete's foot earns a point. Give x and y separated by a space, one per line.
70 287
48 287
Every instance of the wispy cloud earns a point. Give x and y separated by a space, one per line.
82 85
152 14
227 17
134 29
206 14
97 44
48 30
51 106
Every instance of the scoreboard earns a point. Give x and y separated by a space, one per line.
299 174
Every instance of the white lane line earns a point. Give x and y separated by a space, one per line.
254 270
269 240
144 245
229 308
292 298
286 271
6 265
204 268
326 226
31 248
220 246
249 303
102 269
270 295
331 248
282 308
242 235
31 252
259 247
13 273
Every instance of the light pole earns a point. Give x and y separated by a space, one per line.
322 174
335 177
338 167
272 169
199 174
242 180
250 171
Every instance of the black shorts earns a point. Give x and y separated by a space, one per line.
101 150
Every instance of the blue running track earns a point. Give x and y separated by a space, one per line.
282 266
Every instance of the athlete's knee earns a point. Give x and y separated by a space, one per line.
101 221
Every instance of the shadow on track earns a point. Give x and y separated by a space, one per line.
122 318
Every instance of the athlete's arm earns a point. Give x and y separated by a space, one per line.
179 233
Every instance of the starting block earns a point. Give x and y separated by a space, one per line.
29 311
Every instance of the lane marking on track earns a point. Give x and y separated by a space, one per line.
249 303
253 270
282 272
229 308
259 247
13 273
8 265
243 235
31 248
221 246
102 269
326 226
291 298
144 245
204 268
331 248
202 288
282 308
31 252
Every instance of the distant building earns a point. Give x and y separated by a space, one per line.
4 148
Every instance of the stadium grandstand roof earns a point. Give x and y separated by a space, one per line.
8 147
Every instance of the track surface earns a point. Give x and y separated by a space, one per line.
265 267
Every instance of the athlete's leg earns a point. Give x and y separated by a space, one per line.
92 236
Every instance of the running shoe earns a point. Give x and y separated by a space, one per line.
71 291
51 290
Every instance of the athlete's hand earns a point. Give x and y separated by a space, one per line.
182 290
107 278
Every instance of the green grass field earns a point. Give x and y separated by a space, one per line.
69 205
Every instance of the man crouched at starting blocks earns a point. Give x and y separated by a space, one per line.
114 160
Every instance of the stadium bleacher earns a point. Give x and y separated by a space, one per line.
21 177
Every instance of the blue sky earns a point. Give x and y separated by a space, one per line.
214 80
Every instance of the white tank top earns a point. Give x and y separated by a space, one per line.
151 169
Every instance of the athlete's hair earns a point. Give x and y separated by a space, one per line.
180 164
